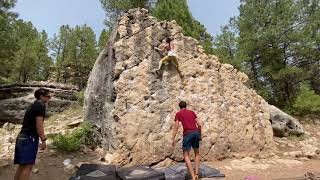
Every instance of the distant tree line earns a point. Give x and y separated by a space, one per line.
29 55
277 43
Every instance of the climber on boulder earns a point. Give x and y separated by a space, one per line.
171 55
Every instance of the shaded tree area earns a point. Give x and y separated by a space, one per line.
27 54
277 44
74 51
163 10
23 50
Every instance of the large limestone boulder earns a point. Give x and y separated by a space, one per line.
134 109
284 124
15 99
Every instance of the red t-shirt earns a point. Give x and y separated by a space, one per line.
188 120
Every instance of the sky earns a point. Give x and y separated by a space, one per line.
49 15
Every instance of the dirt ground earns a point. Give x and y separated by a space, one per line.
50 167
293 158
274 172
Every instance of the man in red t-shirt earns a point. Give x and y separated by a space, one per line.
191 136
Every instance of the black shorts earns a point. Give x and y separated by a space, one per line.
26 149
192 139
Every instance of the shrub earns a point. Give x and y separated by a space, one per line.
80 97
75 140
307 101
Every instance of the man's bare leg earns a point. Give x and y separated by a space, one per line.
197 159
23 172
18 172
188 164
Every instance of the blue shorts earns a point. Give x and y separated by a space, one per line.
192 139
26 149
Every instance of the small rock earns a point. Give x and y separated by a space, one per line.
9 139
52 152
165 163
307 133
291 145
75 123
109 158
4 163
310 175
35 170
8 126
78 165
295 153
272 162
304 159
100 151
228 168
70 169
272 154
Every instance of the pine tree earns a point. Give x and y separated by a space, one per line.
178 10
278 45
31 60
103 38
8 40
114 8
74 51
225 47
60 47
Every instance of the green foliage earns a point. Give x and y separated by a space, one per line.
114 8
103 39
164 10
178 10
74 141
31 59
23 50
8 39
74 51
307 101
225 47
80 97
277 44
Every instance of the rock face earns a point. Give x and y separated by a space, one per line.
134 109
15 99
283 124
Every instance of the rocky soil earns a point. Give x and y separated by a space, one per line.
293 158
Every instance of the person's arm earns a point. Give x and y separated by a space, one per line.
172 46
40 127
162 49
199 128
175 130
40 130
198 124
